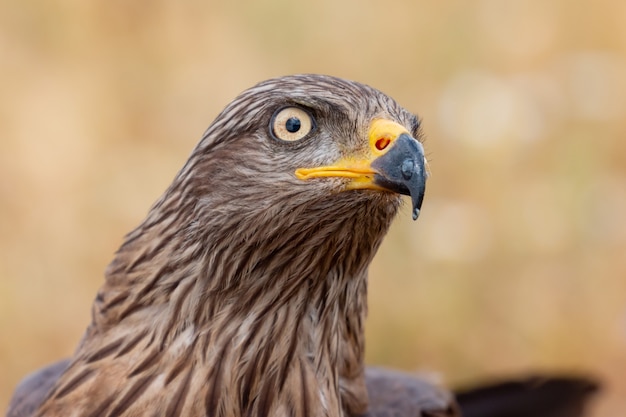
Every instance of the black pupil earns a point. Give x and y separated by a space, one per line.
293 124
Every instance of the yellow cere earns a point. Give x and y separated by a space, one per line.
382 133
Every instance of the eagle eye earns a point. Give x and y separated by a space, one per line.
291 124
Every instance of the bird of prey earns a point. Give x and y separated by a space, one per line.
243 292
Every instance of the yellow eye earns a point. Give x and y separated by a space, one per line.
291 124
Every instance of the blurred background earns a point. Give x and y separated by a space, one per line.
517 262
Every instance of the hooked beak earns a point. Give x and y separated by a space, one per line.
395 163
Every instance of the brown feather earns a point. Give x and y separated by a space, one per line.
244 290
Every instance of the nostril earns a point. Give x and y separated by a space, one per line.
382 143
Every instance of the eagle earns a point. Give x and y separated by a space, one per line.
244 290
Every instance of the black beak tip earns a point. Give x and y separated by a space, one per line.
416 200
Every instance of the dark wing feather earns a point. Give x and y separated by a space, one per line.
32 390
536 396
397 394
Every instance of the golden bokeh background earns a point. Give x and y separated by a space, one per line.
518 262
